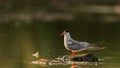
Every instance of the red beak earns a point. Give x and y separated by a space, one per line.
62 34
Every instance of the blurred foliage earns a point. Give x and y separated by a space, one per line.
51 10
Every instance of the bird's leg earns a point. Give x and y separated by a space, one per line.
73 53
74 65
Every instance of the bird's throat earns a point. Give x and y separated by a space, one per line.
66 39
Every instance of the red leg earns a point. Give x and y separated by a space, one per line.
73 53
74 65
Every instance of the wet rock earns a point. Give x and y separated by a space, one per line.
79 58
82 59
85 57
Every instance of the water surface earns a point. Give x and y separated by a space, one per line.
18 43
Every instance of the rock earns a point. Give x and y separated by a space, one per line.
83 59
86 57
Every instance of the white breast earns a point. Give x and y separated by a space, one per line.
66 38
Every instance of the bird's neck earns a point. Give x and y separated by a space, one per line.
67 37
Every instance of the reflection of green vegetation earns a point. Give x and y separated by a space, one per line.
17 43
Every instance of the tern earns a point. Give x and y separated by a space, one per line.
76 46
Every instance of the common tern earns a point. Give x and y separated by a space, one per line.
76 46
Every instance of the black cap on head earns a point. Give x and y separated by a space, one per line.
66 30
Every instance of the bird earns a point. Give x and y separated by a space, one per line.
76 46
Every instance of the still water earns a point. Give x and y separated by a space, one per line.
19 42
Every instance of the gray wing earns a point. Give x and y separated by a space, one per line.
75 45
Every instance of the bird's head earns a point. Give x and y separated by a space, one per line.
64 32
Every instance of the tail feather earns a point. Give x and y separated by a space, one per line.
96 46
97 43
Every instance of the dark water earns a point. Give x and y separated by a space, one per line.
19 41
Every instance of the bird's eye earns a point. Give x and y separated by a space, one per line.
66 31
